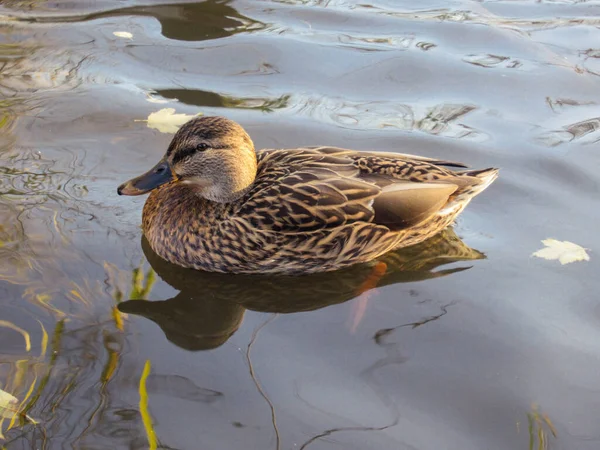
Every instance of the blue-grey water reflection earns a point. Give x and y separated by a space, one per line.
464 342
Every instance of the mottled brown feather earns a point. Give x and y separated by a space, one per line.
311 209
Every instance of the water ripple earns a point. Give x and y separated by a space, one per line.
440 120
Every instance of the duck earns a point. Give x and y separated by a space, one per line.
216 204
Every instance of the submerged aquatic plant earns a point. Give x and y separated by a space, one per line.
21 380
47 383
540 428
147 420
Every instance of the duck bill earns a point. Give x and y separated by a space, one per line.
155 177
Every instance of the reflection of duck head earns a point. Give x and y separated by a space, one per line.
210 306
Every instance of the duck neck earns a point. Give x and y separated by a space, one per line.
177 221
232 179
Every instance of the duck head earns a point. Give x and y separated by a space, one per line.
214 156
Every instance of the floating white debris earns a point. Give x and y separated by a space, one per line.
123 34
166 121
9 405
566 252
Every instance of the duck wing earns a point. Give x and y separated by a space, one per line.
304 190
413 187
341 152
401 205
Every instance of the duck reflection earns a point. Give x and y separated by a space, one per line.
210 306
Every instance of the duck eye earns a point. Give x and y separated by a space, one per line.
202 146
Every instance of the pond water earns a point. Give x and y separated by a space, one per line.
466 342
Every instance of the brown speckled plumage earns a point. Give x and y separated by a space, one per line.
307 210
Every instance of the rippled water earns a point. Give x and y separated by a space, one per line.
466 342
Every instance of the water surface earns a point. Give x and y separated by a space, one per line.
465 342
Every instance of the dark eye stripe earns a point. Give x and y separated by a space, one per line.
189 151
183 154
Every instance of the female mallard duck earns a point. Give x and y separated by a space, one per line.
218 205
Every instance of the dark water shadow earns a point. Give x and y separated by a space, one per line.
210 306
197 97
211 19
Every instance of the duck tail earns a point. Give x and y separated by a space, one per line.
475 182
486 177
